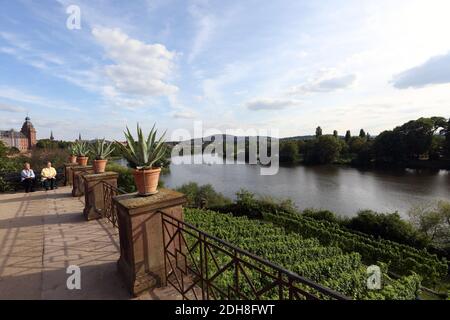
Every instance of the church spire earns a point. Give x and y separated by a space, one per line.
79 137
51 136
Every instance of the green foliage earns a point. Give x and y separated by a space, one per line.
81 149
38 160
388 226
125 181
289 152
73 149
101 149
52 144
402 259
424 138
410 140
3 150
362 134
323 150
335 134
433 220
324 264
247 204
318 132
13 151
356 144
348 135
202 196
143 153
325 215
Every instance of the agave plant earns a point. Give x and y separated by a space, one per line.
101 149
82 149
73 149
142 153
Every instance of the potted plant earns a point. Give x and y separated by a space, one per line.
143 155
73 153
101 150
82 153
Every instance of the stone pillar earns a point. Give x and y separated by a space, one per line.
141 260
93 193
68 174
78 185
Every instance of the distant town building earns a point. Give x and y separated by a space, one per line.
51 136
23 140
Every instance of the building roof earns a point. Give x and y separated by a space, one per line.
11 133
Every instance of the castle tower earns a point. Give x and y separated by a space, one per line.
29 132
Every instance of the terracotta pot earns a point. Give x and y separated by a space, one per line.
72 159
82 161
146 180
100 166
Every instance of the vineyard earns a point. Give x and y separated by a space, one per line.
401 259
328 265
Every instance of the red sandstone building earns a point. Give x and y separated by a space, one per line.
23 140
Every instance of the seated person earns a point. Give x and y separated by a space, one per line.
48 177
27 177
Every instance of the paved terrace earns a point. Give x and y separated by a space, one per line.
42 233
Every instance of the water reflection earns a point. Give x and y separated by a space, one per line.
341 189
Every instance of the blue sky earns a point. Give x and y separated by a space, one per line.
287 65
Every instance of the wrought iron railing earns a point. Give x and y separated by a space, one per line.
109 208
203 267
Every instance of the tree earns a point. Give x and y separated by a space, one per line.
362 133
348 135
434 221
335 133
324 149
356 144
318 132
446 132
389 147
289 152
3 149
417 135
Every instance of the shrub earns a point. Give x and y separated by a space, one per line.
320 215
388 226
203 196
125 181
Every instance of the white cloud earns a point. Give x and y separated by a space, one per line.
21 96
434 71
11 108
206 24
183 115
139 68
328 82
23 51
270 104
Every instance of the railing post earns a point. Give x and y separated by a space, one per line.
141 232
94 204
68 175
78 183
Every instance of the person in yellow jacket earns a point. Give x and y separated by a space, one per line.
48 177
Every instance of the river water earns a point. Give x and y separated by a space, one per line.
341 189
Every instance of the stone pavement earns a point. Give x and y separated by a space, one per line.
42 233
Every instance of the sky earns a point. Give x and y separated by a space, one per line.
237 64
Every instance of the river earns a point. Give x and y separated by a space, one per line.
341 189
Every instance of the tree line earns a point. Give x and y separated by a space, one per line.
415 140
